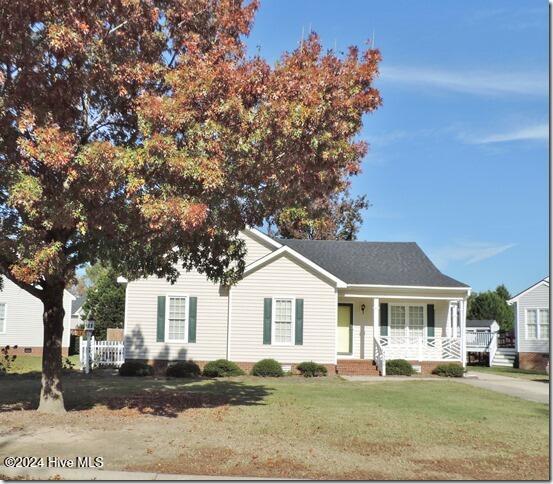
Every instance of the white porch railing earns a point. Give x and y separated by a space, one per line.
379 357
102 353
421 348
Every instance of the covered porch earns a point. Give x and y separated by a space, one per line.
425 326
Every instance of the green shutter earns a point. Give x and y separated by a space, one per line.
160 319
192 310
430 320
299 321
267 318
384 319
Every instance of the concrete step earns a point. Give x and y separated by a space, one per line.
504 364
506 351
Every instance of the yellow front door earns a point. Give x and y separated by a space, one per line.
344 328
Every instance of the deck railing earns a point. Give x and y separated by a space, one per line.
421 348
479 339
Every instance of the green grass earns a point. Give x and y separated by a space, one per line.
513 372
28 364
286 427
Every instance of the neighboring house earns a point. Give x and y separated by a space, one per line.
77 311
344 304
531 309
21 319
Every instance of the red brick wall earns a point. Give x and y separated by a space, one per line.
428 366
35 351
533 361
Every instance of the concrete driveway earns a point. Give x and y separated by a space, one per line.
535 391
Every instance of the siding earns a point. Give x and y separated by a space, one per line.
284 277
257 248
141 319
534 299
24 322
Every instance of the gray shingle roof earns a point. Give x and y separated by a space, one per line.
77 303
386 263
479 323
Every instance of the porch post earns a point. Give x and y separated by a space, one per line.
463 326
376 317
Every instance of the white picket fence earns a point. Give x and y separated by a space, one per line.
102 353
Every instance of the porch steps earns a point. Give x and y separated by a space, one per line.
504 357
356 367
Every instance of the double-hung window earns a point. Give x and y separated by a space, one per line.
283 320
537 323
176 321
3 317
407 321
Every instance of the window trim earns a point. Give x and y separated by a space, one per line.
167 311
5 330
273 314
407 325
538 323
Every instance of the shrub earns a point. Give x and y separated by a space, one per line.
135 368
454 370
267 367
310 369
222 368
6 359
399 367
183 369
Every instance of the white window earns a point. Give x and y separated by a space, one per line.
283 320
176 318
3 317
407 321
537 323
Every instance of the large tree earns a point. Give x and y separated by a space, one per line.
139 133
492 305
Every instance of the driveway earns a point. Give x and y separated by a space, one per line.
535 391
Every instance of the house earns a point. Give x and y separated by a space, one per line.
77 311
21 319
531 308
346 304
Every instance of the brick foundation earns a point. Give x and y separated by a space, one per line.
533 361
428 366
33 351
161 365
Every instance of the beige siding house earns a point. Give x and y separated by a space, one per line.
532 324
21 319
351 306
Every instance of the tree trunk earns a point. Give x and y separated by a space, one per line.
51 396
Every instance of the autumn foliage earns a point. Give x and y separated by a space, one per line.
139 132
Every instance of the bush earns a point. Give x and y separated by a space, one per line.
310 369
183 369
399 367
222 368
268 367
453 370
135 368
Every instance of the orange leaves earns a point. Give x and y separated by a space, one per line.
44 262
164 213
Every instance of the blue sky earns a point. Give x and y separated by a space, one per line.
459 150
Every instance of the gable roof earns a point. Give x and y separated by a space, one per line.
77 303
373 263
545 281
480 323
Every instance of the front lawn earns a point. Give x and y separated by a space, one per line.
513 372
29 364
288 427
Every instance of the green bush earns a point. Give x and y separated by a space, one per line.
453 370
311 369
267 367
135 368
183 369
219 368
399 367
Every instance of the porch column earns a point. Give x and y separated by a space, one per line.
448 322
463 326
376 317
454 319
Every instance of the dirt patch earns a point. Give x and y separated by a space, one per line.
518 467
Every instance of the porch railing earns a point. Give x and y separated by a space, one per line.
479 339
379 357
420 348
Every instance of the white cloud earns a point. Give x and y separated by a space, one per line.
471 82
538 132
469 252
